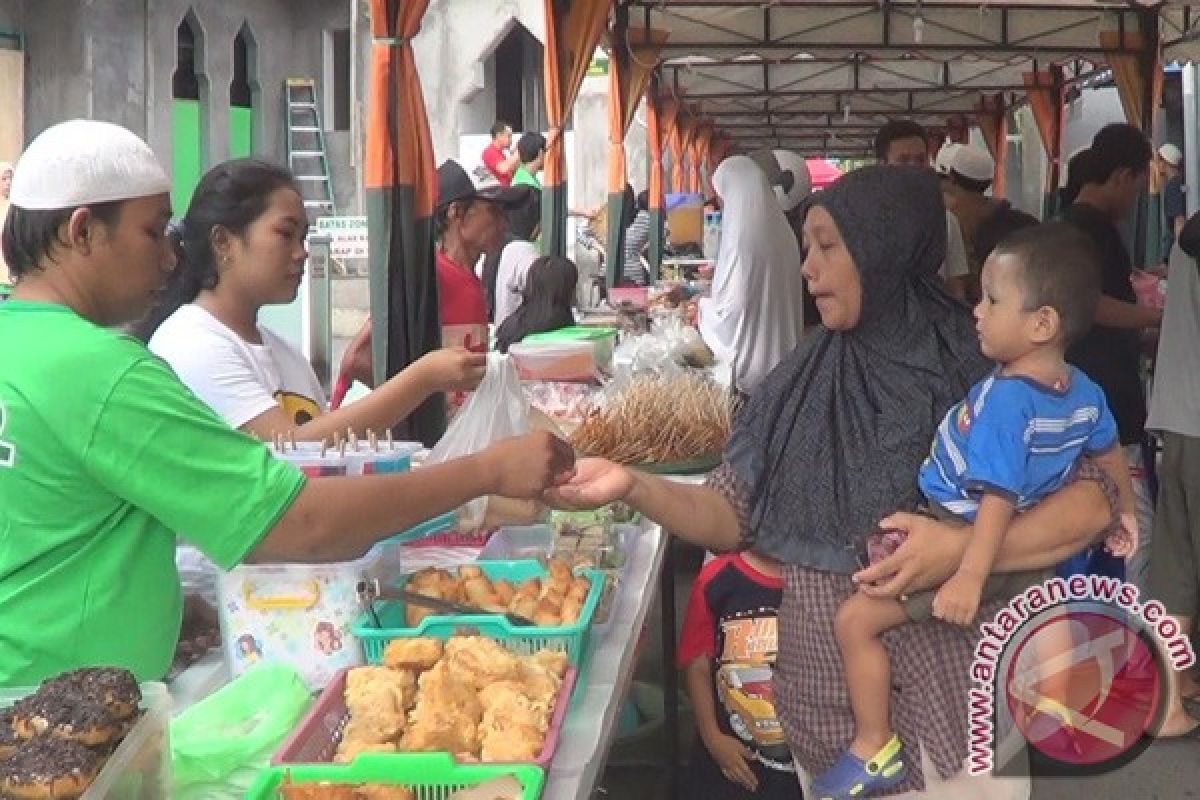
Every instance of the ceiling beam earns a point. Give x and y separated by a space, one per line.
952 90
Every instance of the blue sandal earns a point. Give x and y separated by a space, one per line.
851 778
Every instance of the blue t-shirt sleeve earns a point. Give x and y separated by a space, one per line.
996 451
1104 435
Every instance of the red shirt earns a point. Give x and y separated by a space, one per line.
462 306
493 157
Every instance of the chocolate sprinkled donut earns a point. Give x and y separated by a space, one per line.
48 768
58 711
112 686
8 737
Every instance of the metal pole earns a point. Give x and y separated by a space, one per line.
1190 139
318 314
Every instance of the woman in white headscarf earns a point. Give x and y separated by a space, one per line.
755 315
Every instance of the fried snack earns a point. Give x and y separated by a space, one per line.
570 611
470 573
579 590
658 420
555 661
414 613
479 593
378 700
560 571
515 743
504 592
378 792
524 605
445 688
482 660
546 614
540 685
417 654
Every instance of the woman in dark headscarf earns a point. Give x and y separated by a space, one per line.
831 445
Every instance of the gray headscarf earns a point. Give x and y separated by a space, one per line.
832 441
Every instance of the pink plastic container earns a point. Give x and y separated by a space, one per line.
637 296
316 737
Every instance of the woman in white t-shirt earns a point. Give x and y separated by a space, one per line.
242 247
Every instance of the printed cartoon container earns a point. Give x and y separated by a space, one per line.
300 614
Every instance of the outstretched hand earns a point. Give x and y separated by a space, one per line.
596 483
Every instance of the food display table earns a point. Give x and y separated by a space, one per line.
591 724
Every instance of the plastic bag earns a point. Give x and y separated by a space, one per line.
497 410
219 745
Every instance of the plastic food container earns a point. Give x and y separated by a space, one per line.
318 734
431 776
569 362
604 340
140 767
636 296
300 614
521 639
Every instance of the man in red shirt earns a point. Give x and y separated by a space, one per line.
469 223
497 157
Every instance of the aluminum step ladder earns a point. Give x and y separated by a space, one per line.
306 151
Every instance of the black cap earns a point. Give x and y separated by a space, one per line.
454 184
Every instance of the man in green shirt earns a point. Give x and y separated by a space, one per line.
105 455
531 149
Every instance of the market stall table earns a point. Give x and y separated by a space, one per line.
591 726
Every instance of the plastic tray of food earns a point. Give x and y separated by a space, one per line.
429 776
569 362
140 767
521 639
316 737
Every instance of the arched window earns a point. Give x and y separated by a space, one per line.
242 87
189 42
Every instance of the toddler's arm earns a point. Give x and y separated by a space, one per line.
958 599
1125 540
731 755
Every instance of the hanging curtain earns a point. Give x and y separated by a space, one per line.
686 125
401 185
992 117
573 29
657 186
634 57
1139 93
1044 89
699 149
718 149
673 138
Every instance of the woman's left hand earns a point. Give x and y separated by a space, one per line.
929 555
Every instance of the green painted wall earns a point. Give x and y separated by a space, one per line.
241 132
187 153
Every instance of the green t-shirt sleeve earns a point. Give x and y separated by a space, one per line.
156 446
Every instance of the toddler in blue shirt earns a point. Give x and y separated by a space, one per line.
1014 440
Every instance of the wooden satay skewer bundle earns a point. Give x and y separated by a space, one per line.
659 420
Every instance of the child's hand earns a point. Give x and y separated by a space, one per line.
958 599
1123 542
733 758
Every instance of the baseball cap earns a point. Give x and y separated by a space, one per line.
1171 154
944 157
454 184
972 163
85 162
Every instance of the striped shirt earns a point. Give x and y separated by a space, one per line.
1017 438
637 235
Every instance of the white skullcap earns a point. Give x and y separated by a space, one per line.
973 164
945 156
83 162
801 184
1171 154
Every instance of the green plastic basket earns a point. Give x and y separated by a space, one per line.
520 639
432 776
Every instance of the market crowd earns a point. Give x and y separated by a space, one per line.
913 357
